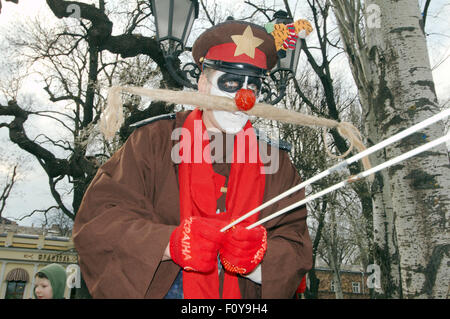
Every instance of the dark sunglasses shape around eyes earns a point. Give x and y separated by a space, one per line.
231 83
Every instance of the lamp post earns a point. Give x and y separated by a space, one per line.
174 20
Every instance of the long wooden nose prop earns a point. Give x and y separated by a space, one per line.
112 117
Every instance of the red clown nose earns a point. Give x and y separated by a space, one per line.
245 99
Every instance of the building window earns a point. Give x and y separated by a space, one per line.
16 279
15 290
356 287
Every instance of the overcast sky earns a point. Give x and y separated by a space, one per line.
32 191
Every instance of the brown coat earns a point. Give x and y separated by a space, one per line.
132 206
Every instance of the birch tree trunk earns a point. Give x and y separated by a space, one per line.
420 188
411 200
366 73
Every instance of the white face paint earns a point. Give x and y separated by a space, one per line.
231 123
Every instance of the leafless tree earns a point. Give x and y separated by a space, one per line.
386 47
7 187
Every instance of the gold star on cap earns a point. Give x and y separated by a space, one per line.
246 43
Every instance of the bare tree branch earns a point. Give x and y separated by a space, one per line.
210 19
52 165
45 211
99 36
7 189
425 13
288 9
263 11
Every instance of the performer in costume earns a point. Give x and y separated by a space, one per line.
149 224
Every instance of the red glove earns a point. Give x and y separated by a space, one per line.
194 244
243 249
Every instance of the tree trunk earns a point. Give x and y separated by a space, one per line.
385 245
415 200
332 251
391 69
336 273
313 290
371 92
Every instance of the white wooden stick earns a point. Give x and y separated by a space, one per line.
361 175
341 165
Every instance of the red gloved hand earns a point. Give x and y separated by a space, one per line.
194 244
243 249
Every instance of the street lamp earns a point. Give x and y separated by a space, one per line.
286 66
174 20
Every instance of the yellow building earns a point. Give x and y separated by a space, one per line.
26 250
